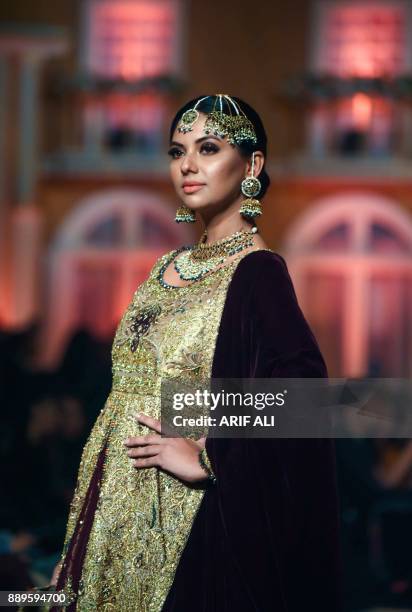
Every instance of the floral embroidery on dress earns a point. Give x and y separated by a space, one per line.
141 323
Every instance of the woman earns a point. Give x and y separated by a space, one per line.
177 525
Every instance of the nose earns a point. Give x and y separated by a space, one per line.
188 164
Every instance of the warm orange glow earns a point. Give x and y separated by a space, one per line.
20 268
362 111
6 304
371 115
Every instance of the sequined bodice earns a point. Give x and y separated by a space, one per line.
144 516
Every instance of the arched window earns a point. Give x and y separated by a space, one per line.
350 257
102 252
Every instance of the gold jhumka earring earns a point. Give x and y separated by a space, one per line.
185 215
250 187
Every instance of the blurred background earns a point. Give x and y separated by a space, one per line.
87 92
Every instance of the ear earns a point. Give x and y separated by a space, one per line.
259 163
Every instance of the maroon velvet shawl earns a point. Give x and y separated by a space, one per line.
266 537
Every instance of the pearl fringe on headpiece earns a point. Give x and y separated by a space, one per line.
225 120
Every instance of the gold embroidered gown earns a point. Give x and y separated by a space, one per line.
143 517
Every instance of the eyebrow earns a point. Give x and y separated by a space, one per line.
179 144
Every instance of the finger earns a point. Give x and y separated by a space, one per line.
201 442
143 440
145 462
144 451
150 422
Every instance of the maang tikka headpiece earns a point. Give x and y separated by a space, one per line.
231 123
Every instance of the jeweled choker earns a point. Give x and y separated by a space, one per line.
198 261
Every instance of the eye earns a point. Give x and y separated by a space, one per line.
175 152
209 147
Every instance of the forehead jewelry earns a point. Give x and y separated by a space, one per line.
225 120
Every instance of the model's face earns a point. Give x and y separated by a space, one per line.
206 171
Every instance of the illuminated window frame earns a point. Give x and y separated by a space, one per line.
176 65
320 16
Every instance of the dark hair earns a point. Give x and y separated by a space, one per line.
246 148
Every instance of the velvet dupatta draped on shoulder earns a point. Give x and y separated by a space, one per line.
266 536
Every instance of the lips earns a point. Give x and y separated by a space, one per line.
192 187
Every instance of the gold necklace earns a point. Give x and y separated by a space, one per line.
198 261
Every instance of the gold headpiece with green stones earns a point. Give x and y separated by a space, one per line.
225 120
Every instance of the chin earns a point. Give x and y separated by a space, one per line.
205 209
193 204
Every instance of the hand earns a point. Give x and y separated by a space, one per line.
178 456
